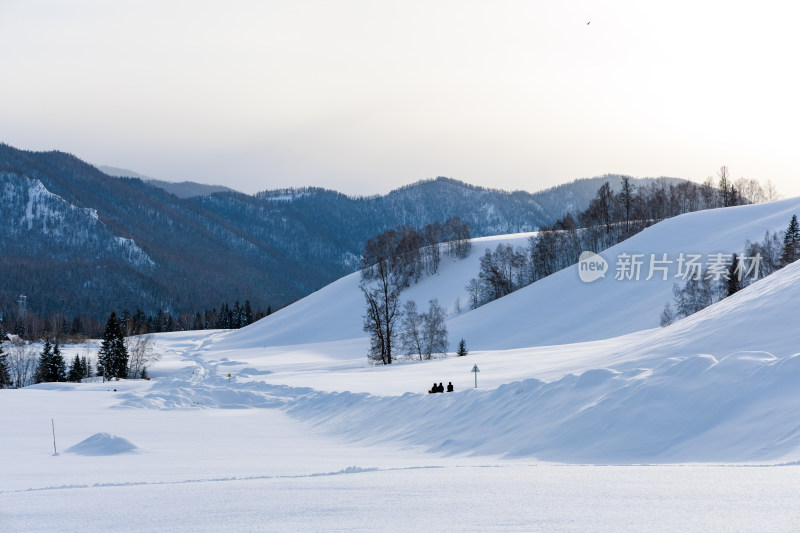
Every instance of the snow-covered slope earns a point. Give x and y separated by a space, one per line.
569 371
334 313
717 386
556 310
562 309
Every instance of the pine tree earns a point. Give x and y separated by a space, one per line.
58 367
126 322
77 326
791 243
45 363
734 282
462 348
236 314
5 375
76 370
248 314
112 359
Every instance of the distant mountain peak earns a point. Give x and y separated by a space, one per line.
183 189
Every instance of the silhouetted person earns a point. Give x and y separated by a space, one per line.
435 388
449 386
440 388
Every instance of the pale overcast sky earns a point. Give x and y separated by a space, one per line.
366 96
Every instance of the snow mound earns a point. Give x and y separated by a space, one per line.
103 444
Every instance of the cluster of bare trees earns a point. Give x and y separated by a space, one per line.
502 272
771 253
410 253
393 329
390 262
423 334
22 360
612 216
742 191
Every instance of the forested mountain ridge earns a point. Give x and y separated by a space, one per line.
77 241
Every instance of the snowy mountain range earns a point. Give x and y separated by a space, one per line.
78 241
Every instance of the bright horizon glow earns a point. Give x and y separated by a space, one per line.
364 96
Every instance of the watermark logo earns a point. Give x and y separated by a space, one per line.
714 267
591 267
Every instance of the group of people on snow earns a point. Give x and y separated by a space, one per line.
440 387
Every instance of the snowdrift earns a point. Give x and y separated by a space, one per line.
103 444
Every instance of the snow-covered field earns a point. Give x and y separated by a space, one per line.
587 416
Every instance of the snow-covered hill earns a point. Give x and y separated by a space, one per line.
304 434
335 312
569 370
559 309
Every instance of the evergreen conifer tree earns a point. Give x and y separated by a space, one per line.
248 314
58 368
45 363
112 359
462 348
734 282
236 314
76 371
791 243
5 375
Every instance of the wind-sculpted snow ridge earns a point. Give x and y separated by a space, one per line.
741 408
179 394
